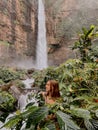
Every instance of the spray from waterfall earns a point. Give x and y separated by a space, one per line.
41 50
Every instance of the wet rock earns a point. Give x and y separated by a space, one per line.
15 91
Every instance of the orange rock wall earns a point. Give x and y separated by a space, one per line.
64 19
18 25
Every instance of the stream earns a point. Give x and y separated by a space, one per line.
26 97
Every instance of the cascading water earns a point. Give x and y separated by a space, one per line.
23 99
41 51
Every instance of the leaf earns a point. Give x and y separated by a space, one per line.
51 126
76 45
15 120
88 125
89 33
79 112
96 112
35 117
28 112
84 30
96 35
94 123
66 122
45 128
12 122
91 124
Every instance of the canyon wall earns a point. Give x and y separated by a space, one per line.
64 20
18 30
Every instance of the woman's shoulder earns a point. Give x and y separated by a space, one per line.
49 100
53 100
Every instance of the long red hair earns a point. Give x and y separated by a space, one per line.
54 88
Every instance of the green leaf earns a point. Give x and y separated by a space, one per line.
12 122
84 30
91 124
79 112
16 119
45 128
96 112
65 121
96 34
51 126
88 125
37 116
89 33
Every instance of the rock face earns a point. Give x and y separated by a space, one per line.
64 19
18 28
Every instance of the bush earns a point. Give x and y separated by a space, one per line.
7 102
7 74
85 44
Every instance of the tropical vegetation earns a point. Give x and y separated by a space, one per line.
78 80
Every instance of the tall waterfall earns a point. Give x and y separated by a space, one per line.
41 50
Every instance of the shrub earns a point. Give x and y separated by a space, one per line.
7 74
7 102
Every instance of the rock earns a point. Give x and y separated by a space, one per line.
30 71
15 91
6 87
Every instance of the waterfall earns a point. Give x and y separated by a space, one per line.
41 50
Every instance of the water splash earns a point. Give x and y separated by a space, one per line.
41 51
28 83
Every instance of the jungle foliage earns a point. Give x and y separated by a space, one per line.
7 104
9 74
85 44
78 108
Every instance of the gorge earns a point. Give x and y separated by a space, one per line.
19 29
40 34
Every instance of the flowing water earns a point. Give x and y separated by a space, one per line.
41 51
28 83
24 97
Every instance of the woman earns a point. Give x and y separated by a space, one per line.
51 95
52 92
